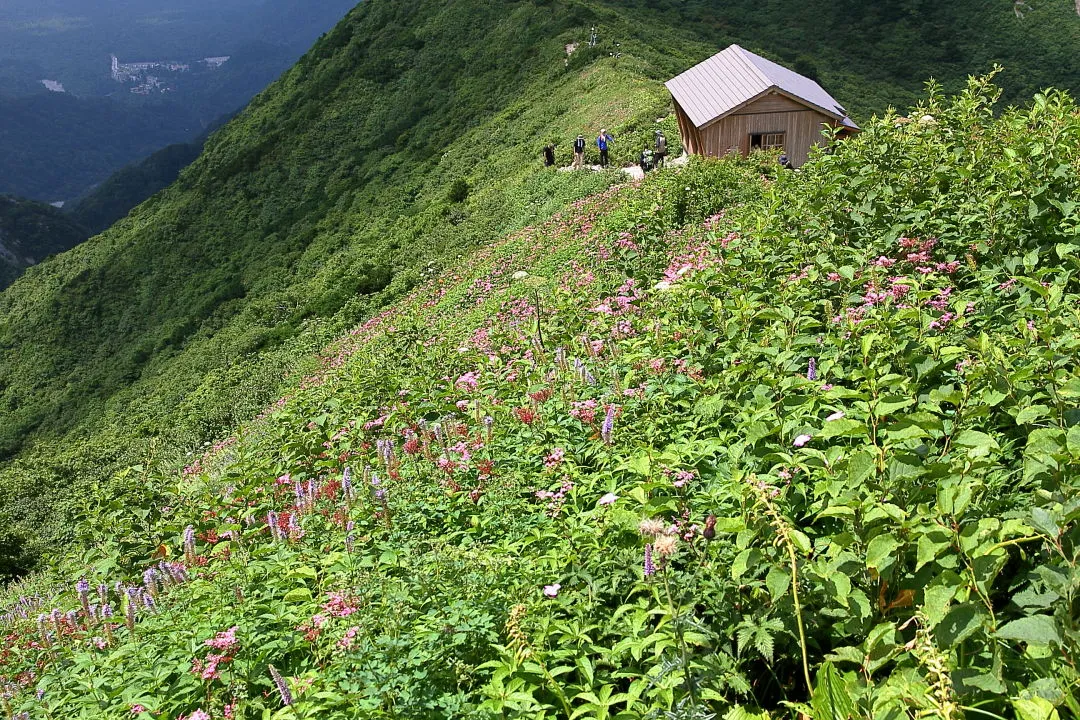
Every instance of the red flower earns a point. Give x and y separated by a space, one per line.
525 415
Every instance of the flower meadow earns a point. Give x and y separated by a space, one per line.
731 442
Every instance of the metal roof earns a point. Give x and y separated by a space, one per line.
733 77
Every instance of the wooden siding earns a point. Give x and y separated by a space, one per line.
770 114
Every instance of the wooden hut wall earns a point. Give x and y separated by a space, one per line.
690 137
772 114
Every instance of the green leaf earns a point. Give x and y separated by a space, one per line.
831 699
1044 522
297 595
937 599
1031 414
1034 708
1034 630
843 428
978 444
879 552
640 464
778 581
959 624
1072 441
743 561
860 466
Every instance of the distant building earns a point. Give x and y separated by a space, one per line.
737 101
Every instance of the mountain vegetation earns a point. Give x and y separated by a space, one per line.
29 233
370 415
124 190
54 146
58 146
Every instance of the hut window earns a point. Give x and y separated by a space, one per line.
766 141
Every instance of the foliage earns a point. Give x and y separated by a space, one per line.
733 442
129 187
29 233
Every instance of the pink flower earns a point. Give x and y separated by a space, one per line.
608 499
223 640
136 709
199 715
801 440
552 590
835 416
554 458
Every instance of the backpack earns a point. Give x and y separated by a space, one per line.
579 145
661 144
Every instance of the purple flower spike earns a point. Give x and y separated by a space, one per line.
650 569
189 544
811 369
609 425
282 688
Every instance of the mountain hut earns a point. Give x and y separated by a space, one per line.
737 101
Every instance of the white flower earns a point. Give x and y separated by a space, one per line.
801 440
608 499
835 416
520 275
662 286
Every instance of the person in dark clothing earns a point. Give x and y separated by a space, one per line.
646 159
549 155
602 142
579 152
785 162
661 149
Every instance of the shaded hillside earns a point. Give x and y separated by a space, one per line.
29 233
54 146
329 196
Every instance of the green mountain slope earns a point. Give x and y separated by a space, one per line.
735 442
132 185
331 194
30 232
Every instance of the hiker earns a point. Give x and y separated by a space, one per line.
602 142
549 154
579 152
661 148
646 159
785 162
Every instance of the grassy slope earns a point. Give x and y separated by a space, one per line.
326 199
923 477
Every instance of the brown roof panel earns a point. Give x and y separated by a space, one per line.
734 76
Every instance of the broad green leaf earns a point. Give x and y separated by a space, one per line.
843 428
1031 414
297 595
879 551
978 444
959 624
1034 708
831 699
1034 630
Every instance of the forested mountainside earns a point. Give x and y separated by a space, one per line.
127 188
54 146
393 155
29 233
57 145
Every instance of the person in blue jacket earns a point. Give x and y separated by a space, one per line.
602 142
